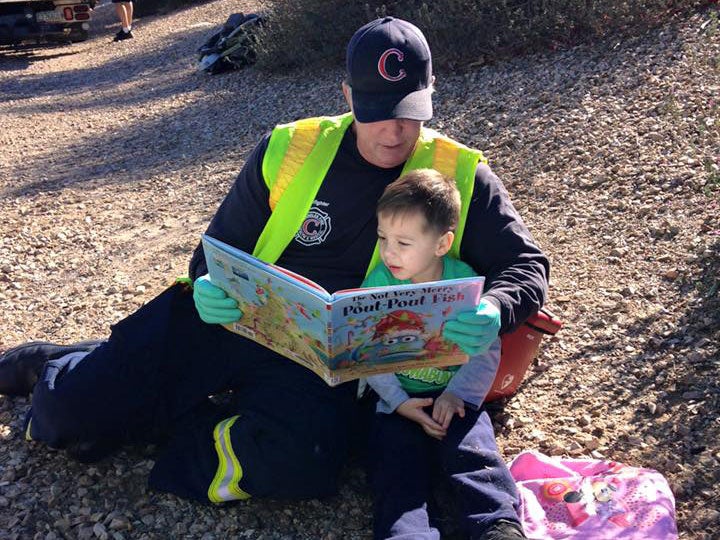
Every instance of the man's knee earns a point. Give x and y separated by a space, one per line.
243 456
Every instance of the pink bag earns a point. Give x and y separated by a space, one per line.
592 499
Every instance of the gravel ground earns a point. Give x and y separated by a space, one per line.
115 156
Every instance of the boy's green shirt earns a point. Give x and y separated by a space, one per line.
416 381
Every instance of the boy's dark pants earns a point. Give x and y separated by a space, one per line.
150 382
403 462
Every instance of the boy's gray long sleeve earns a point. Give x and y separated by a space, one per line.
471 382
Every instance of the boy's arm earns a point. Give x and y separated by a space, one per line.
386 385
390 391
473 380
393 397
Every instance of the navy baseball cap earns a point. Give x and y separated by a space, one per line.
389 70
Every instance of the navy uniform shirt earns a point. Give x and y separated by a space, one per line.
335 243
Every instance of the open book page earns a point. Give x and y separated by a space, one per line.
231 253
279 311
389 329
350 334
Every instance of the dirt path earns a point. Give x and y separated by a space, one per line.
114 157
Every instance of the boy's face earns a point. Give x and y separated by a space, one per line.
409 248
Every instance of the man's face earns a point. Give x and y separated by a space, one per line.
409 248
385 144
388 143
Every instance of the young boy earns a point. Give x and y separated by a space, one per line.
417 216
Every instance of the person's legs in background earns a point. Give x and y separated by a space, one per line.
124 12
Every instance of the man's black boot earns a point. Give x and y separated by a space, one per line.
503 529
20 367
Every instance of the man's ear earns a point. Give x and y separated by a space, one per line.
444 243
347 92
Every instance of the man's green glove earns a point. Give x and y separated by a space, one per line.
213 305
474 331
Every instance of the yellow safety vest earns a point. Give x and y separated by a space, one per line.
299 155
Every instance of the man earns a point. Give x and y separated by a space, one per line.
124 10
305 199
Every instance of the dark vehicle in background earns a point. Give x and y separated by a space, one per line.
43 21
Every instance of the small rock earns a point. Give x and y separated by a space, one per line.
100 531
556 450
119 524
85 532
592 444
709 516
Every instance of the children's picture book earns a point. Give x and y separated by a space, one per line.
344 335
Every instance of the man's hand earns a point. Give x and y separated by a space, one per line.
412 409
474 331
213 305
446 406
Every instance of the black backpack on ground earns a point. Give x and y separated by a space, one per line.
233 47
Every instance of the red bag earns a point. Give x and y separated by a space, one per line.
519 348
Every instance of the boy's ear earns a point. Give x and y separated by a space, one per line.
444 243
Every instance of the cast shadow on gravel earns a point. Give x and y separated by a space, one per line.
20 58
688 427
89 79
672 389
690 379
155 145
564 81
158 146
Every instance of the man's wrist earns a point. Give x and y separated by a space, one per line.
491 299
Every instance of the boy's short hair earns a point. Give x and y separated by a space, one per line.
427 191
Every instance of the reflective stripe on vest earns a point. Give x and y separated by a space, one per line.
225 486
296 161
435 151
300 154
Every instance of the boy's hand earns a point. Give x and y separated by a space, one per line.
213 304
474 331
412 409
446 406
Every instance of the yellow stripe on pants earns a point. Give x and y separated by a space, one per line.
225 486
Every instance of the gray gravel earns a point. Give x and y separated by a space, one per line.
115 156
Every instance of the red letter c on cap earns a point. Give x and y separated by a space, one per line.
383 70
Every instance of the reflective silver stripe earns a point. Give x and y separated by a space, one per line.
225 485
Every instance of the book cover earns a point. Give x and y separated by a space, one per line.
347 334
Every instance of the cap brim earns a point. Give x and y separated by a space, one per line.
368 107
